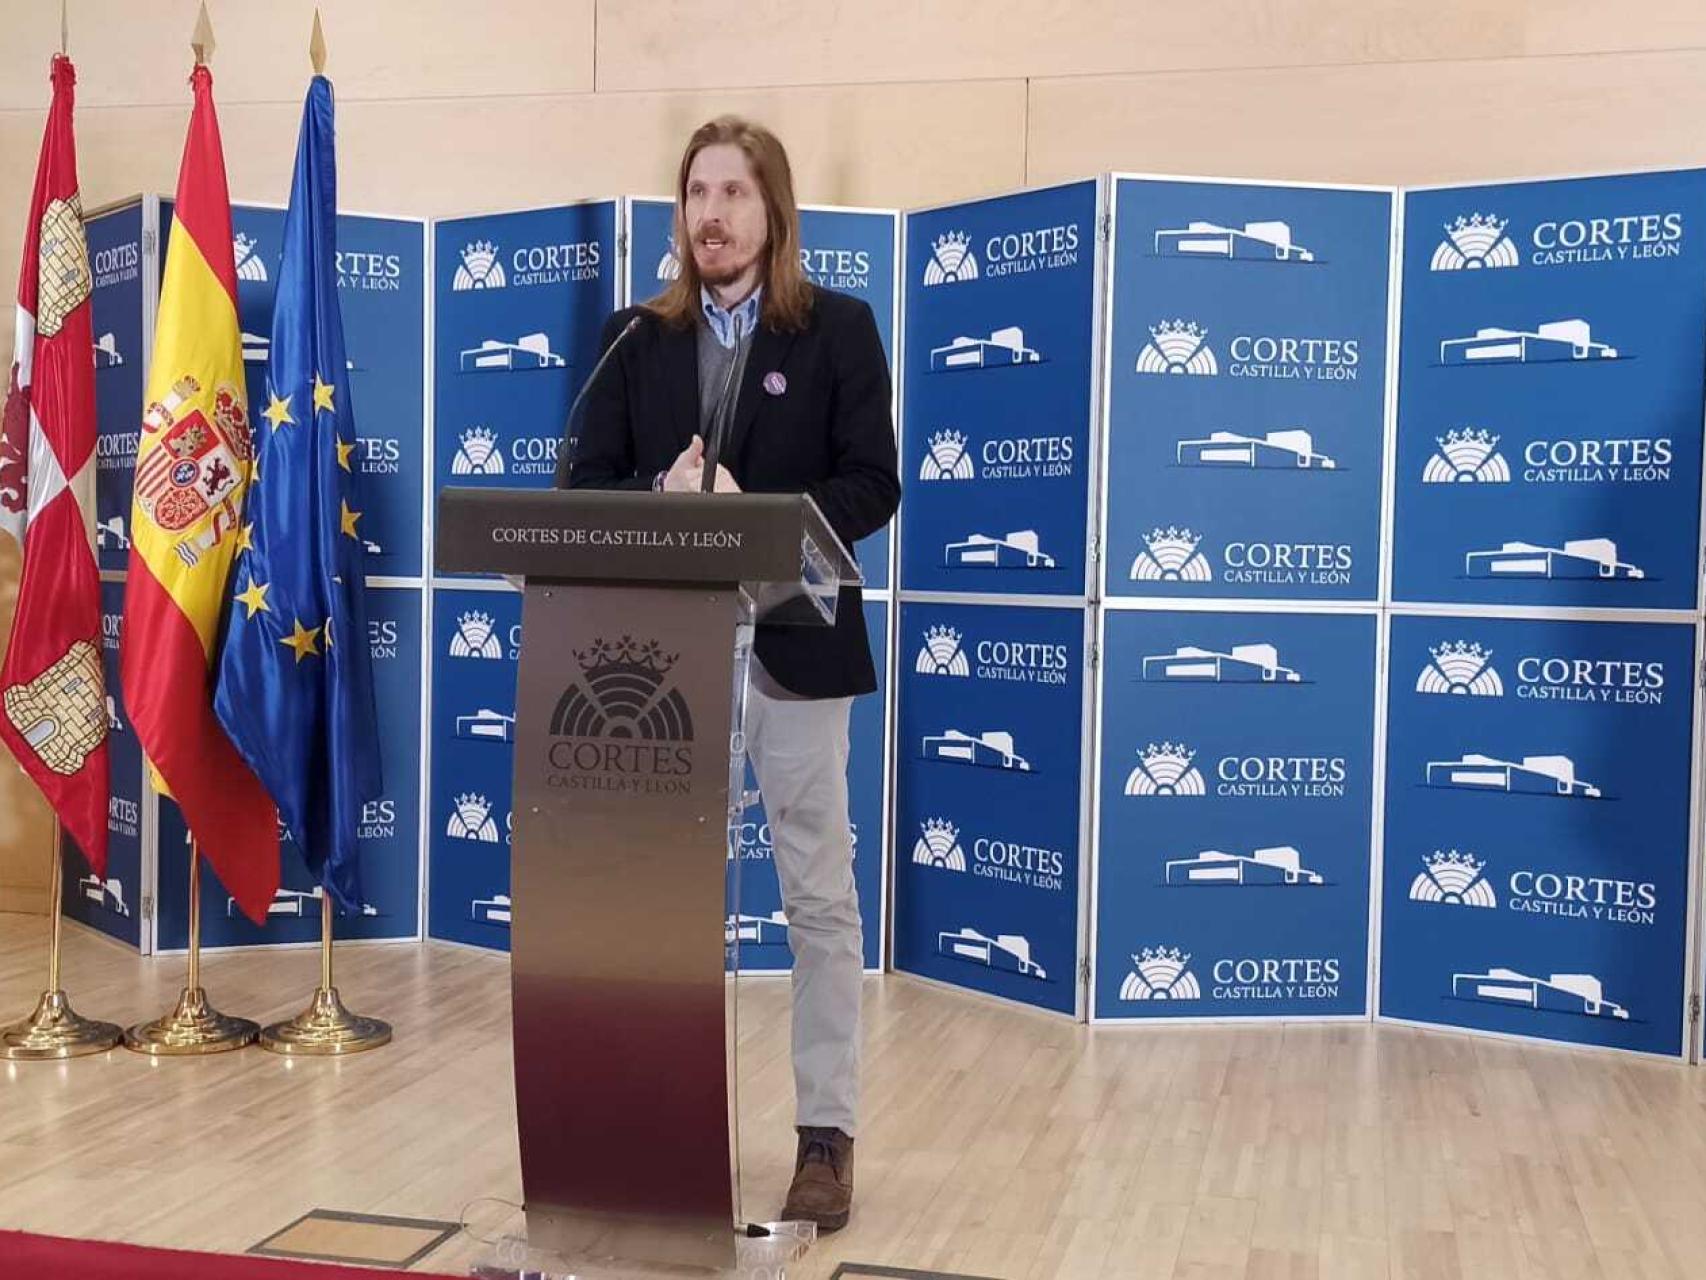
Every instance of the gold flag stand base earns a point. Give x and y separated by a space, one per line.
56 1030
191 1028
324 1028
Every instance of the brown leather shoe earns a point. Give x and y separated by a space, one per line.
823 1180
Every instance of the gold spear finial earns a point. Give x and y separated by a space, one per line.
317 46
202 40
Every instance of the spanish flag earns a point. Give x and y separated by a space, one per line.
193 468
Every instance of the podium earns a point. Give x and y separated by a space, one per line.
637 623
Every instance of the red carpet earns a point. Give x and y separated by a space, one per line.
51 1258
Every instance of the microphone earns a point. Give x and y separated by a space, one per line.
563 459
720 418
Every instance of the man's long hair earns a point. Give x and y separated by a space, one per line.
787 301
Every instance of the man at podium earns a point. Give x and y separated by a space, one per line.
743 366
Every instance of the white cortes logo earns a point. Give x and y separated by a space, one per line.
941 654
250 266
951 260
1178 346
1455 879
1171 555
669 265
1466 456
471 819
947 458
1460 667
1160 973
1582 994
1475 242
480 268
475 638
1165 770
477 454
939 846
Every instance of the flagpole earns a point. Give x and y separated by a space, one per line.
325 1027
55 1030
193 1026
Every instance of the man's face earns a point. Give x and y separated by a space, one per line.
725 215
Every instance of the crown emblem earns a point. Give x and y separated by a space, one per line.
479 256
1156 539
948 437
242 244
1460 648
1178 329
1167 955
627 653
1153 753
1451 860
1489 222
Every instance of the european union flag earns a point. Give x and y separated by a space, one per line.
295 679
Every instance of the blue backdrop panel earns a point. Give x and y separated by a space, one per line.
390 825
476 643
518 304
762 927
1236 808
116 259
1537 829
849 250
112 903
987 799
999 367
1549 399
1247 393
381 292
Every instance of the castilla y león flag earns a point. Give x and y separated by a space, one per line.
53 707
193 467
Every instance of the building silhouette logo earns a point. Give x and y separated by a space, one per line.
623 692
1468 456
1582 994
1243 664
992 750
756 931
1460 667
1019 549
1171 555
1177 346
1002 349
474 637
1578 558
486 725
477 454
493 355
939 846
947 458
250 265
1160 973
1532 775
106 352
1475 242
1006 952
951 260
1277 865
1254 242
471 819
1290 450
494 910
1165 770
105 894
1549 343
1455 879
257 347
480 268
941 654
110 535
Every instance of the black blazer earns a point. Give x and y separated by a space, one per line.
829 433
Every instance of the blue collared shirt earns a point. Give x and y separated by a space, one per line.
722 321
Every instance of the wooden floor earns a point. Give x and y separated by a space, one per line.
998 1143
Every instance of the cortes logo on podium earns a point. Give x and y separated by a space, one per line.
622 725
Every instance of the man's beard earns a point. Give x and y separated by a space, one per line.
717 277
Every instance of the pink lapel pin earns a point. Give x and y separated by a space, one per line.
775 383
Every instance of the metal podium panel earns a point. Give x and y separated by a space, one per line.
621 801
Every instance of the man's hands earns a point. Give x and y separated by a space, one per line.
687 473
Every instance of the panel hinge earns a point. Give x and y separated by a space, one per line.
1694 1009
1104 226
147 906
1095 654
149 237
621 243
1701 674
1084 972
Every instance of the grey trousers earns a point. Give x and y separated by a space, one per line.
798 749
